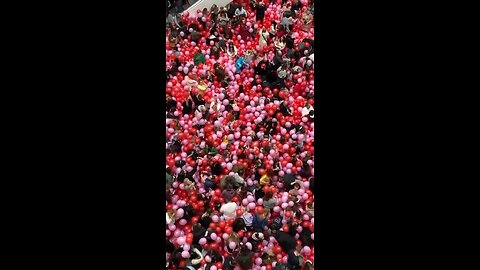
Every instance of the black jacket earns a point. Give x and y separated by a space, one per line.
245 260
286 241
260 12
187 107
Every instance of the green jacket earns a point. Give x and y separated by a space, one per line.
199 58
168 178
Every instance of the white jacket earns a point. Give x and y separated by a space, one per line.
228 209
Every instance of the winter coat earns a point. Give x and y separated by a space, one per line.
245 260
258 223
286 241
270 203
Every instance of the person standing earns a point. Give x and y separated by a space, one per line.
260 11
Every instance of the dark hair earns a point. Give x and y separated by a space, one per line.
238 225
244 249
268 195
216 257
177 256
169 247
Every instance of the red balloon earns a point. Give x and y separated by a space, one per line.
277 249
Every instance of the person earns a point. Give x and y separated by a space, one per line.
228 192
232 49
248 220
240 12
223 17
266 178
232 244
296 6
286 22
269 200
239 225
170 217
239 64
255 239
263 40
199 57
260 221
307 21
245 258
293 261
196 256
285 241
228 209
260 11
296 186
214 13
188 184
282 71
279 43
308 265
273 29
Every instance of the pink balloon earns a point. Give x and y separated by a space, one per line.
232 245
180 212
202 241
215 218
181 240
186 254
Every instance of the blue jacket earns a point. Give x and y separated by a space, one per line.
239 64
258 224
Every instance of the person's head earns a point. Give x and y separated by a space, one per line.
265 214
238 224
310 205
177 256
308 265
233 237
228 186
244 250
296 185
216 257
268 195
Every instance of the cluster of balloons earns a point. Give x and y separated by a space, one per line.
240 144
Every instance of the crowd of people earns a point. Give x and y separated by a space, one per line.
240 137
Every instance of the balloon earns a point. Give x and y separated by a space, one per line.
186 254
